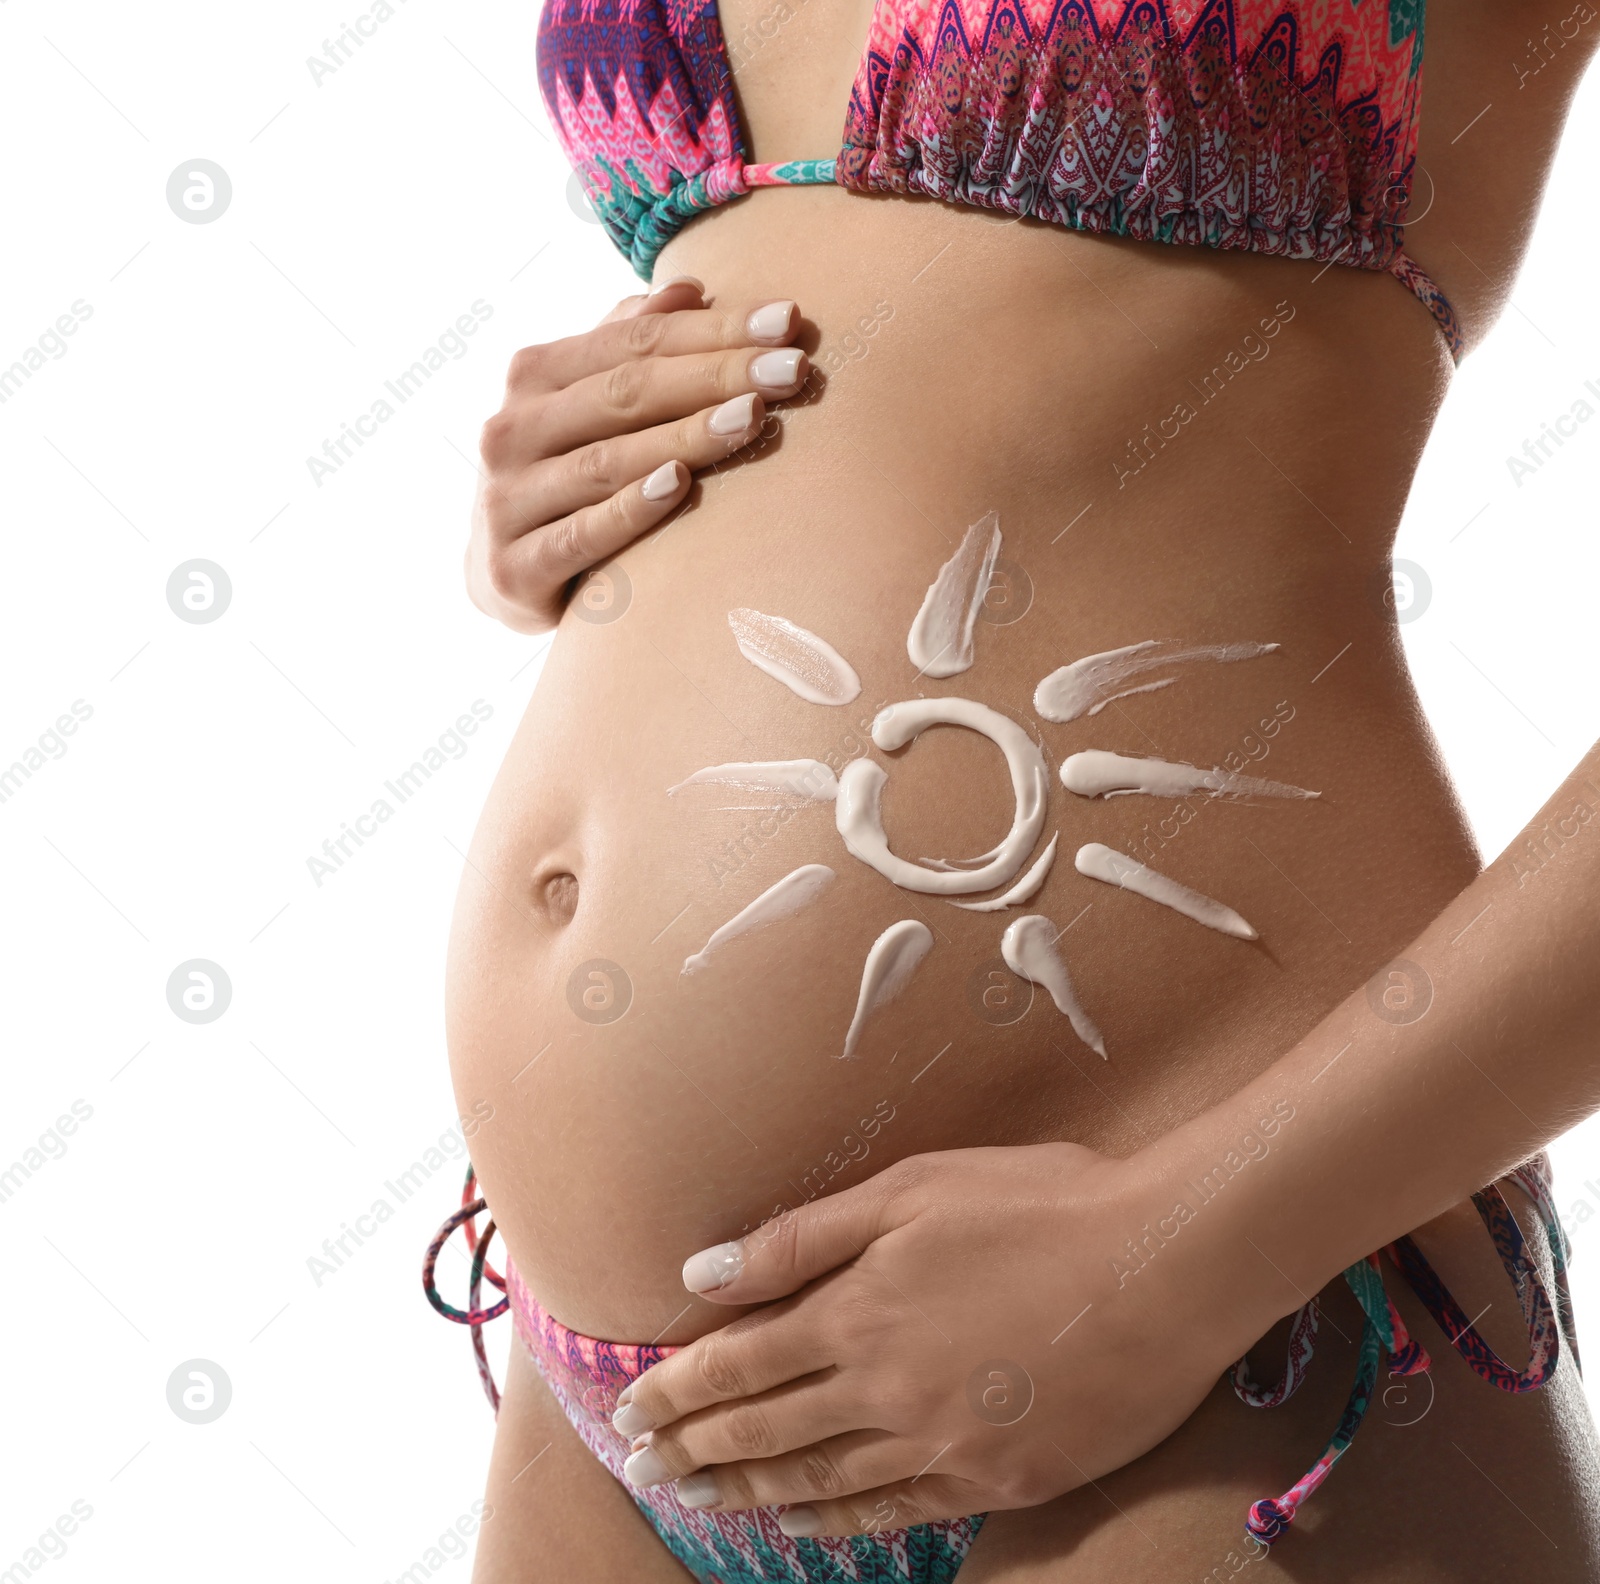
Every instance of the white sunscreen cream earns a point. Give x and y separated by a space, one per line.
940 640
890 964
860 819
1085 687
807 779
1029 949
795 891
1024 890
1096 773
804 663
1100 862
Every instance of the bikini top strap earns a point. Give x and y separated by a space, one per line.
1422 286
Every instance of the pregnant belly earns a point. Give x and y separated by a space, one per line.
640 1112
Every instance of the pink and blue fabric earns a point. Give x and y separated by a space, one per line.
1279 128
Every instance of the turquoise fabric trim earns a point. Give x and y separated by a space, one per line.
928 1558
641 221
806 173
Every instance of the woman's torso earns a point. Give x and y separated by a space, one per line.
1180 444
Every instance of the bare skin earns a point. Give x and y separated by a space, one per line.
1011 369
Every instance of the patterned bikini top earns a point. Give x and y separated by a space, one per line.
1277 127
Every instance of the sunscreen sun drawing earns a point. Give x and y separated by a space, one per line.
941 644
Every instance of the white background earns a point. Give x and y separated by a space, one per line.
368 212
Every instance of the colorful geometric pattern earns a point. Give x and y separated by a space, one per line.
1222 123
586 1377
1257 124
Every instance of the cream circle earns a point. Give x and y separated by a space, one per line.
861 783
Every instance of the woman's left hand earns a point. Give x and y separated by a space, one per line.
968 1331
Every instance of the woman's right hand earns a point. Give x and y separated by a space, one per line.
600 432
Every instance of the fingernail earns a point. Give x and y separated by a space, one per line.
631 1420
777 370
681 280
800 1523
645 1468
770 322
713 1267
698 1489
734 417
662 483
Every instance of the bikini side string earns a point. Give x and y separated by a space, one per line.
474 1316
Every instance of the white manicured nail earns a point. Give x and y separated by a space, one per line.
713 1267
645 1468
733 417
776 370
631 1420
770 322
662 483
699 1489
681 280
800 1522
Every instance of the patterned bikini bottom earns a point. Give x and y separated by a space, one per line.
586 1376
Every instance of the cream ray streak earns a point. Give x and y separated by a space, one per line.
796 890
890 963
809 779
1029 949
1100 862
1082 688
1096 773
804 663
940 640
1024 890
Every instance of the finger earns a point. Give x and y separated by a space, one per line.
554 365
682 291
757 1354
831 1470
900 1505
525 571
782 1255
811 1406
562 485
637 395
